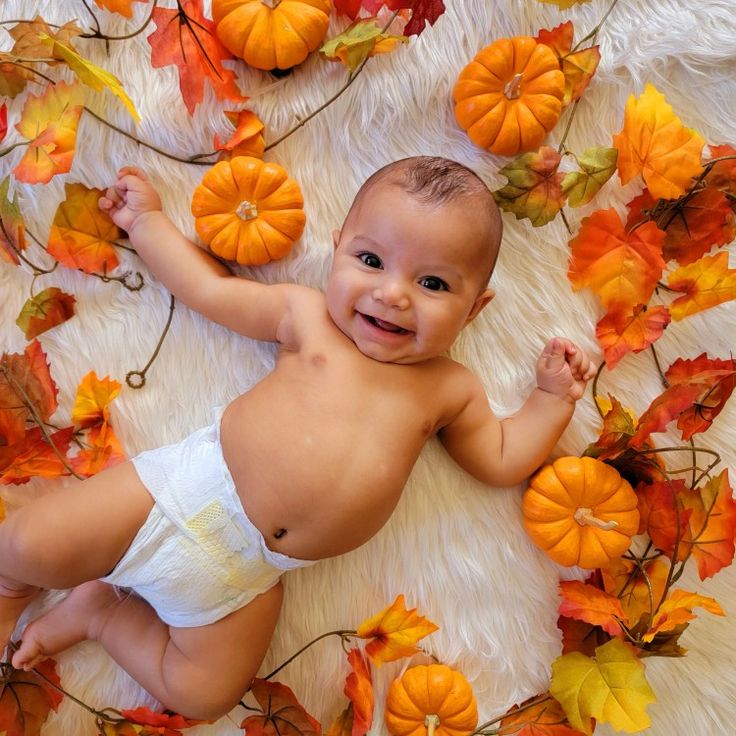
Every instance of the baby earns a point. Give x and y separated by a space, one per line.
308 464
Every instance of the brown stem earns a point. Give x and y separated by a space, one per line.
137 379
132 34
594 387
342 633
662 377
537 701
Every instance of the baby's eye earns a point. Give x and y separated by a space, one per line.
433 283
371 260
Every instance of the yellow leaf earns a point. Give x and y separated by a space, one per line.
655 144
705 284
564 4
678 608
93 397
357 42
91 74
28 43
596 168
394 632
611 688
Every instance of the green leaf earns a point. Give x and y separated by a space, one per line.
597 166
357 42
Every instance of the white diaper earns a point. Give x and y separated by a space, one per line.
197 556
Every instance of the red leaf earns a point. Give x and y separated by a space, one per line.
658 513
359 688
351 8
722 175
26 699
34 456
592 605
282 714
422 11
620 333
166 723
3 120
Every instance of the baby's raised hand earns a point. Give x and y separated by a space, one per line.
564 369
131 196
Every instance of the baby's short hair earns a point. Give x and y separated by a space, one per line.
439 180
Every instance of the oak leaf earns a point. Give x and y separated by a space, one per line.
26 698
82 235
621 267
677 609
28 39
93 399
359 41
592 605
49 122
394 632
705 284
534 188
33 456
186 39
12 226
545 718
596 168
610 688
282 715
247 138
104 451
123 7
722 174
359 689
620 333
654 143
47 309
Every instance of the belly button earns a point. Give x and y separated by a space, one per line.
280 533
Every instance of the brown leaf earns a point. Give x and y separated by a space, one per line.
282 714
28 38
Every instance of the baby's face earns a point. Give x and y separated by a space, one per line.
406 276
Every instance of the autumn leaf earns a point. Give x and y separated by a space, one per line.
359 41
654 143
28 39
12 226
93 399
26 698
422 12
247 139
578 636
13 77
82 235
596 168
610 688
49 121
620 333
546 718
705 284
593 606
34 456
343 724
618 428
677 609
91 74
123 7
660 516
621 267
564 4
722 174
104 451
165 724
282 715
47 309
359 689
186 39
24 380
3 121
534 186
394 632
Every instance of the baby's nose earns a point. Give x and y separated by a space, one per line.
393 294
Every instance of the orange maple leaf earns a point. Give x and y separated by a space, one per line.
620 333
93 398
677 609
165 724
12 226
33 456
621 267
282 714
394 632
579 636
26 698
47 309
654 143
343 724
123 7
246 140
722 174
104 451
637 588
49 121
705 284
618 428
546 718
660 515
359 689
186 39
28 39
592 605
82 235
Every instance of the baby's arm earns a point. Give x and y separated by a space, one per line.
196 278
503 453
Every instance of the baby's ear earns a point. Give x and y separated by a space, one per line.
335 238
484 298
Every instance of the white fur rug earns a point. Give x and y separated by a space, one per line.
456 549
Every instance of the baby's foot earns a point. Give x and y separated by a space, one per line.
13 601
74 619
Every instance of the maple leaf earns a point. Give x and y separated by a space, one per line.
422 12
47 309
282 714
564 4
712 524
34 456
167 723
247 139
596 168
546 718
535 187
24 378
394 632
28 38
722 175
12 226
13 77
660 516
93 399
351 8
359 689
359 41
618 428
104 451
578 636
186 39
677 609
49 121
705 284
591 605
620 333
654 143
594 688
621 268
91 74
26 699
123 7
82 235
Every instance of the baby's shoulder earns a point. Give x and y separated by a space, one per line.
454 378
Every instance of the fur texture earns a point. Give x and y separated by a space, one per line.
457 550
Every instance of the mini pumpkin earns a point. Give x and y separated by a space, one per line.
248 210
510 95
580 511
431 699
271 34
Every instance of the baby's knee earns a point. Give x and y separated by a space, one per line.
202 701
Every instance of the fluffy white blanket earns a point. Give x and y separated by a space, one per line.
456 549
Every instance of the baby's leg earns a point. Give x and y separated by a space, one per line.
67 537
200 672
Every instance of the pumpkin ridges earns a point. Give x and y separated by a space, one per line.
540 507
234 25
277 244
285 222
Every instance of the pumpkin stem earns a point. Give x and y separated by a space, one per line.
585 516
512 90
270 3
431 721
247 210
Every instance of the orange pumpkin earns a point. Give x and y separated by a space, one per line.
248 210
580 511
271 34
431 699
510 96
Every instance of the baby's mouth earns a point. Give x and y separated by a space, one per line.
385 326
